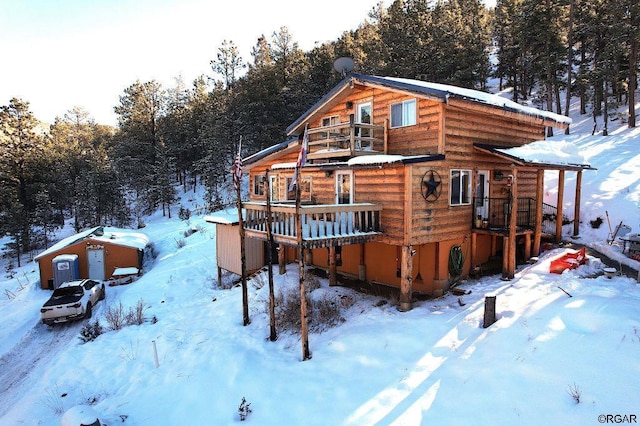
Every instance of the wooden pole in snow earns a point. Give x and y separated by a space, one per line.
273 336
304 332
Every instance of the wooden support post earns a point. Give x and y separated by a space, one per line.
219 277
474 244
505 257
362 268
333 269
406 279
527 246
282 259
576 207
513 221
537 233
559 206
494 245
489 311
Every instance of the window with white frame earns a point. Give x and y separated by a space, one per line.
403 113
460 187
258 185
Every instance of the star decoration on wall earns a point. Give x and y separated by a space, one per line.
431 185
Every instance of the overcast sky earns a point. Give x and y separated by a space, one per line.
65 53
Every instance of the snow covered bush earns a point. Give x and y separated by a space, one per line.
244 409
324 307
90 331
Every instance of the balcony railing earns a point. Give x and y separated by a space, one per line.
346 140
499 210
321 223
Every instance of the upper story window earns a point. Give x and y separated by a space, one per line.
403 113
330 121
460 187
258 185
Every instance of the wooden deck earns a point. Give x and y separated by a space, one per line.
346 140
323 225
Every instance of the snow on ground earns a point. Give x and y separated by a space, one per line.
435 364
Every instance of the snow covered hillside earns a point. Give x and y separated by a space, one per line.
564 349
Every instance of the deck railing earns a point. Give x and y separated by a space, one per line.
346 139
321 221
499 210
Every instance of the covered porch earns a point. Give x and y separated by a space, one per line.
529 219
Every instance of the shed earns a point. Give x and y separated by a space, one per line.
99 252
228 244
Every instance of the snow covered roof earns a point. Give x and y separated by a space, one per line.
435 91
556 154
365 160
228 216
116 236
253 158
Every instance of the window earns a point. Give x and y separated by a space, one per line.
258 185
460 187
403 113
273 187
330 121
344 188
305 189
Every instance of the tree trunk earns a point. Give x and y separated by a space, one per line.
567 103
633 79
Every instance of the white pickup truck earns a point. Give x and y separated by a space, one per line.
72 300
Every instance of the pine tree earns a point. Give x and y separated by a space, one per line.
20 151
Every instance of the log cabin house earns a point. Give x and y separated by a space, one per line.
408 184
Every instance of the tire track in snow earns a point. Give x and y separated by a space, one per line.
27 361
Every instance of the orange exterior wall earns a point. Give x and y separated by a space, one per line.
116 256
383 262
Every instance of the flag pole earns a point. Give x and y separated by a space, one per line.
237 178
273 336
304 326
304 332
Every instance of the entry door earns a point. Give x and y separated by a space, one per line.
95 259
482 194
363 115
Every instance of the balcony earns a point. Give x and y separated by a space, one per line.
323 225
499 210
346 140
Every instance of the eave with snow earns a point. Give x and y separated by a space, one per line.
398 172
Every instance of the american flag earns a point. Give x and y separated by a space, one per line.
302 157
237 167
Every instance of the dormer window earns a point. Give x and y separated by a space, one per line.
403 113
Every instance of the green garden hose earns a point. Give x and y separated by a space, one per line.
456 261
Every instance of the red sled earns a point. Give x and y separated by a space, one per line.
568 261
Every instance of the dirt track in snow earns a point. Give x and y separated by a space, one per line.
21 367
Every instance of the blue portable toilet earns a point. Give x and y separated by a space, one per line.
65 268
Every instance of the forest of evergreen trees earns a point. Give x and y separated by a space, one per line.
95 174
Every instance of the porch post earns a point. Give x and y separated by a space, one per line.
472 258
513 221
282 259
406 279
559 204
362 268
576 207
505 258
537 233
333 270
